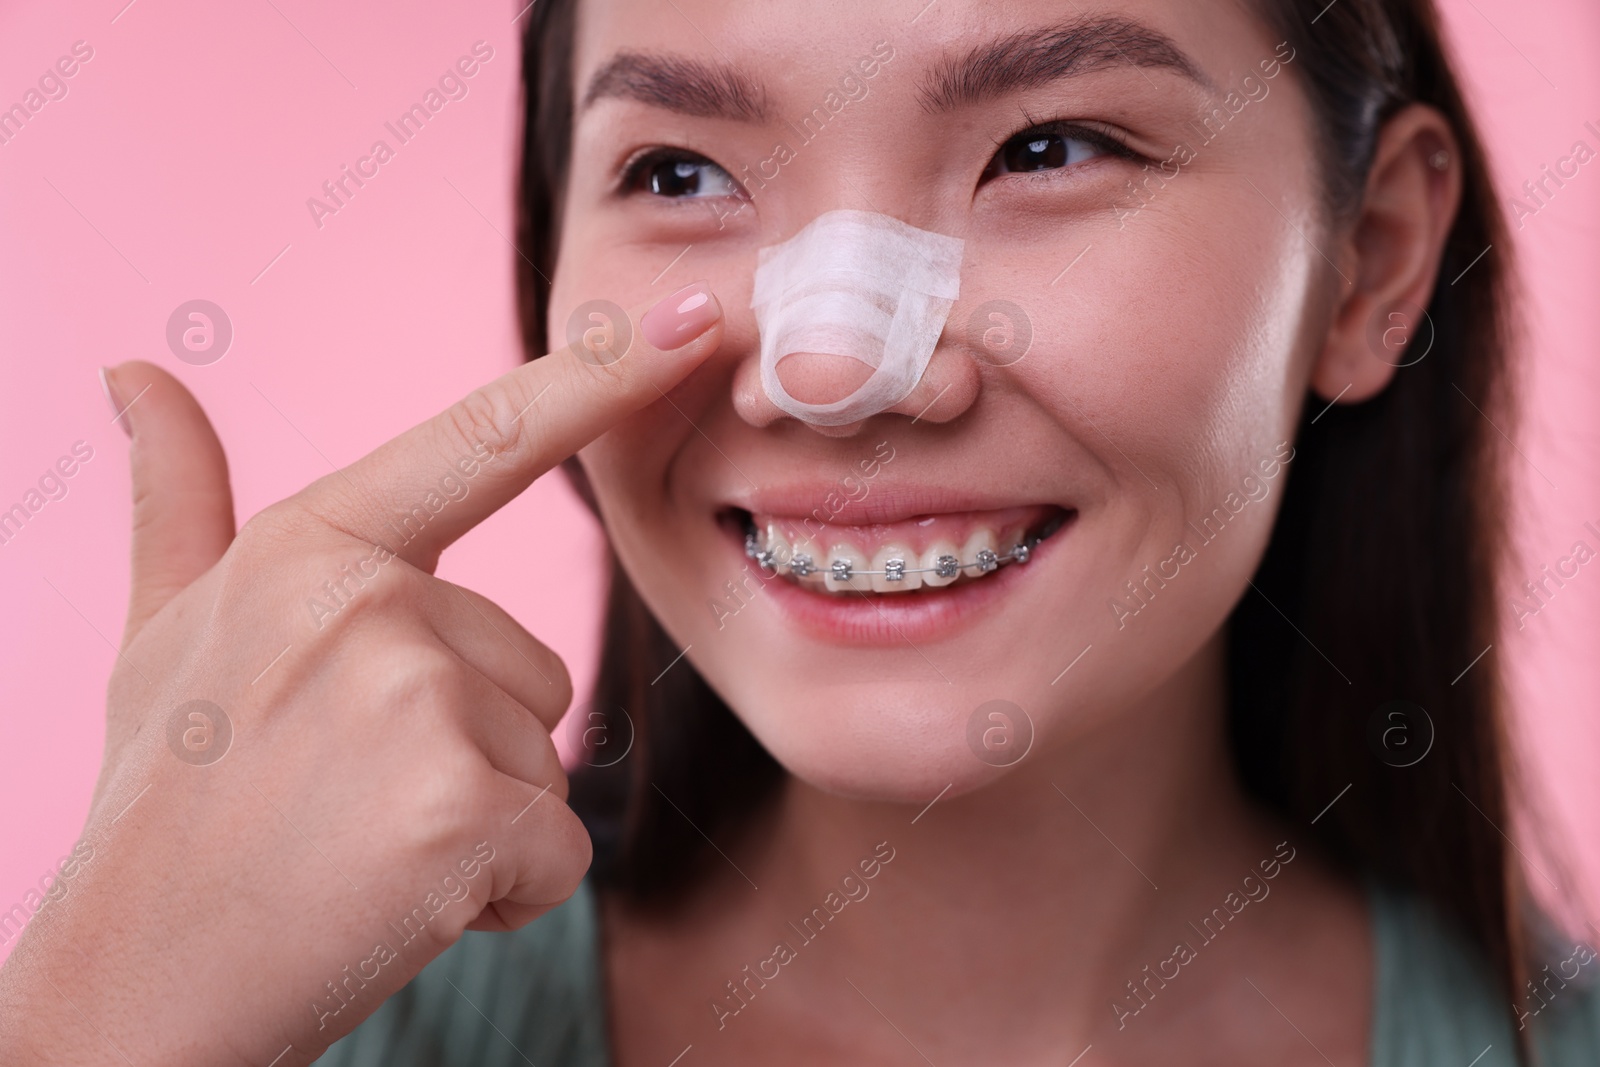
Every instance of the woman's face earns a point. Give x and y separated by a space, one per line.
1133 181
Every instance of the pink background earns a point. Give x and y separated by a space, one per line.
178 167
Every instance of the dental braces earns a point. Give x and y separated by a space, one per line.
894 569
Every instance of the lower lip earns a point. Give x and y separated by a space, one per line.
884 621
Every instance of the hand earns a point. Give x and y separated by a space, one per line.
371 770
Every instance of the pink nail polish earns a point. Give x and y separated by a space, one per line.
115 404
681 317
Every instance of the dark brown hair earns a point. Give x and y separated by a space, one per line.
1378 584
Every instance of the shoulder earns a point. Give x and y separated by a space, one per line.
532 995
1436 1000
1562 1007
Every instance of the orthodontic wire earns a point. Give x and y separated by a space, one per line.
842 569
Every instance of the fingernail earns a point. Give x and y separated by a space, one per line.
115 402
681 317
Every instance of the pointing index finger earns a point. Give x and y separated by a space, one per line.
420 491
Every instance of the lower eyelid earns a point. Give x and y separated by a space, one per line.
1073 172
688 199
691 214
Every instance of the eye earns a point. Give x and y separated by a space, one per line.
1051 147
678 175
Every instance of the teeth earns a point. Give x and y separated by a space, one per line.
779 547
1011 538
930 561
885 560
979 553
895 567
810 558
843 561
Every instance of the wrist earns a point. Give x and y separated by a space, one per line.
39 1022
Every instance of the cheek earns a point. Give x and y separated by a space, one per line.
1175 350
666 541
627 468
1169 362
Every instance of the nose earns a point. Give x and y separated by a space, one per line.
947 388
851 311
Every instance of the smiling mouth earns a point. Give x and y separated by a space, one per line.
919 556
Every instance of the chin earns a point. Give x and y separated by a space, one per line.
894 750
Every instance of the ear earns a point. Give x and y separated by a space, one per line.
1393 248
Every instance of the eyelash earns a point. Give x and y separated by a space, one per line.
635 169
1095 135
638 166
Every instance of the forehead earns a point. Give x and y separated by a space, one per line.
776 49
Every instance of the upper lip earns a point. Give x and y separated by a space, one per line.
882 502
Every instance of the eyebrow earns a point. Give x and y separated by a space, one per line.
687 86
1033 58
1027 59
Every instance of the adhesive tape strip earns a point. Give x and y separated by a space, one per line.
856 284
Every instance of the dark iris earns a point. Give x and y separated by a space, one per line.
1034 151
674 177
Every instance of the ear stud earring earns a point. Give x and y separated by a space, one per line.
1440 160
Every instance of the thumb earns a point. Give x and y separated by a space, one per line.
182 504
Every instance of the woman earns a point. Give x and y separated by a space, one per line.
1203 759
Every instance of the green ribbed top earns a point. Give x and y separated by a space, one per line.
536 996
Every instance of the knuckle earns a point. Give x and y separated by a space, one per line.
419 680
570 851
268 554
374 587
357 586
550 773
599 381
273 530
492 418
442 793
552 669
560 682
560 784
280 539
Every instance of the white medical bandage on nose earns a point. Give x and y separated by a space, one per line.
856 284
